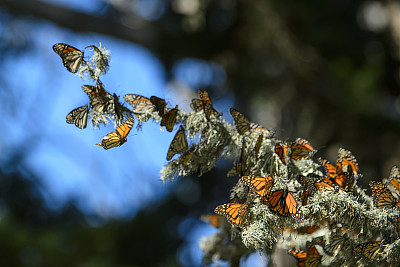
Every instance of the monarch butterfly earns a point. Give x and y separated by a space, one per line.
282 151
212 219
243 125
260 185
301 149
140 104
345 160
329 168
204 104
333 247
71 56
258 145
169 119
99 97
234 212
345 172
78 117
382 196
179 144
159 105
369 250
118 137
393 182
284 203
313 183
309 258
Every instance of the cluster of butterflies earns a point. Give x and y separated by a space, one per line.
338 179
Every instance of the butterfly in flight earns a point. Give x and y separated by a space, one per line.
78 117
235 213
309 258
71 56
118 137
179 144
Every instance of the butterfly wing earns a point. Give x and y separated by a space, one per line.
241 123
179 144
393 182
369 250
71 56
282 151
169 119
284 203
118 109
78 117
207 105
301 149
234 212
212 219
382 196
260 185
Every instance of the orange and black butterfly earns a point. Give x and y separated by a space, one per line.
118 137
159 105
370 250
346 162
284 203
100 99
205 104
393 182
309 258
212 219
234 212
262 186
78 117
301 149
139 103
243 125
313 183
179 144
336 242
169 119
282 151
382 196
71 56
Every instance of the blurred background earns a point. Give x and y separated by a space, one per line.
326 71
